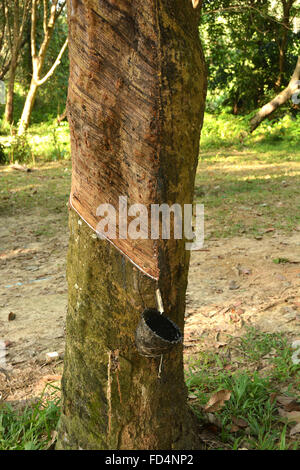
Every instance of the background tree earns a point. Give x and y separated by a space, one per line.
136 100
4 61
279 100
16 15
282 38
55 9
251 50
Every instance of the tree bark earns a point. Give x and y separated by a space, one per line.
279 100
137 79
9 107
283 39
63 116
28 107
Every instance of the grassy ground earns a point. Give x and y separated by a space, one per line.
257 378
31 427
249 185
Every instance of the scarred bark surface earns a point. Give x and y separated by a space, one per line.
136 102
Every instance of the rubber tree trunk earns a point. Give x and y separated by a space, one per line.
113 398
28 107
279 100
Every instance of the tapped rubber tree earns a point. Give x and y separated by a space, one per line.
135 107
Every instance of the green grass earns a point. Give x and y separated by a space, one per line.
272 140
248 183
252 389
33 427
47 140
42 192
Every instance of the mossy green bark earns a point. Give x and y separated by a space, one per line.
112 396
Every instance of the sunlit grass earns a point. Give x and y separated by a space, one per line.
248 191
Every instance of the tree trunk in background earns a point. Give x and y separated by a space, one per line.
280 99
9 107
38 57
19 14
112 396
28 107
282 41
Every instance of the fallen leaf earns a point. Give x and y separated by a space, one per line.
293 406
240 422
192 396
273 397
217 400
288 403
291 416
234 428
283 400
295 430
51 444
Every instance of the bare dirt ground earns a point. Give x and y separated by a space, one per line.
233 283
33 288
236 284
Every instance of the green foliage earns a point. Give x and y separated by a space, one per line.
31 428
226 130
3 155
59 152
280 260
47 141
19 149
241 45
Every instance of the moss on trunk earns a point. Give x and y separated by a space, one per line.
112 396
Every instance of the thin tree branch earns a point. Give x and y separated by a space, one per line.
4 24
45 16
56 63
8 26
33 29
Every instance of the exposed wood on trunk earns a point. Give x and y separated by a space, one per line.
136 100
280 99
